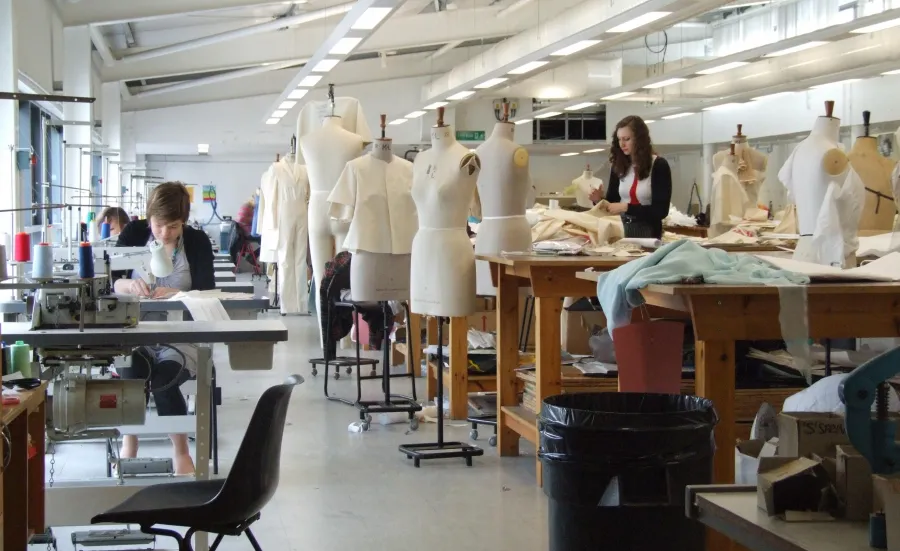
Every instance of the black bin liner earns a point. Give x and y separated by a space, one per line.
615 467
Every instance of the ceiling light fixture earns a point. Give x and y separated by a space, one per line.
345 45
523 121
569 154
894 72
770 96
414 115
649 121
273 121
370 18
395 122
878 26
435 105
528 67
639 21
798 48
598 150
325 65
678 115
460 95
580 106
491 82
287 104
620 95
279 113
722 68
663 83
202 148
297 94
847 81
548 115
309 81
576 47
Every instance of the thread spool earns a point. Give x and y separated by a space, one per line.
85 261
22 247
42 264
3 273
104 230
20 358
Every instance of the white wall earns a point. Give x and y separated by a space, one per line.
39 42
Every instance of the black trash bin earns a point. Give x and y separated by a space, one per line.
616 465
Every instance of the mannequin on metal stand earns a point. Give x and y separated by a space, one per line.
875 173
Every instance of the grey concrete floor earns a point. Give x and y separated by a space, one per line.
340 490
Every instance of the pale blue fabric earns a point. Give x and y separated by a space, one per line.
619 291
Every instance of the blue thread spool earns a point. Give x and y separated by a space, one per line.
85 261
42 263
104 230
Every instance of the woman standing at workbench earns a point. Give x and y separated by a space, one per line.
640 182
166 367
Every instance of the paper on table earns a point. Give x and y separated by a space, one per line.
203 308
886 268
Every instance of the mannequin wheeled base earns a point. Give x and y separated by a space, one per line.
488 420
440 449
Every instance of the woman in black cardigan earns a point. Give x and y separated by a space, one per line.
640 182
166 367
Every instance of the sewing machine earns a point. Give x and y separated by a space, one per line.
91 304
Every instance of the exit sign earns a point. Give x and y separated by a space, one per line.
470 135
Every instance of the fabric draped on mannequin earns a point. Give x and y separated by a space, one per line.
729 200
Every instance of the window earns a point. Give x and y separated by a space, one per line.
55 145
42 172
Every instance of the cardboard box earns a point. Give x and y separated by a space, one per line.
790 484
853 483
577 327
747 456
485 321
802 434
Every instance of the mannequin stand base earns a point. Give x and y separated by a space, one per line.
440 450
396 404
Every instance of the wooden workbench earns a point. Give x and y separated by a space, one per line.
22 481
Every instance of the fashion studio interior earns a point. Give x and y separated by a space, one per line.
530 275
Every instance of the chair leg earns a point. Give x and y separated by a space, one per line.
252 539
184 544
217 541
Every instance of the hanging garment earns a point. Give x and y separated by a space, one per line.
254 231
375 196
292 188
349 109
337 325
728 199
267 224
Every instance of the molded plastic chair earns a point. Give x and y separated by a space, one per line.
225 507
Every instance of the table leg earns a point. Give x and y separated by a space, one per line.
201 411
715 379
459 368
15 487
36 513
414 343
507 359
548 368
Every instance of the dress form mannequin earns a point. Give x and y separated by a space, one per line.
326 151
292 189
875 173
374 195
442 279
728 196
828 194
268 232
503 190
584 185
751 165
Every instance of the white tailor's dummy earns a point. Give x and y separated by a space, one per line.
348 109
326 151
828 194
728 197
267 216
875 173
751 171
291 192
442 280
503 186
374 195
584 185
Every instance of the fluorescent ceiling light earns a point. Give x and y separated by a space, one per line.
435 105
619 95
345 45
528 67
847 81
490 83
678 115
795 49
639 21
279 113
775 95
579 106
721 68
415 115
460 95
721 106
576 47
273 121
309 81
287 104
569 154
202 148
649 121
598 150
878 26
370 18
662 83
894 72
548 115
325 65
523 121
395 122
297 94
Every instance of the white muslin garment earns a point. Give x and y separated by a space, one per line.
267 219
291 193
584 185
728 198
376 197
349 110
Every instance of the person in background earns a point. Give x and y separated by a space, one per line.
117 219
245 215
166 367
640 182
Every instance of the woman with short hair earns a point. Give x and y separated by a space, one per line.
117 219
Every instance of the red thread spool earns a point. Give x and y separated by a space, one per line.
22 247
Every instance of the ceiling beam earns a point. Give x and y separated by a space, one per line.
215 79
108 12
102 46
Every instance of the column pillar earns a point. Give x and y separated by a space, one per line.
77 82
111 113
10 187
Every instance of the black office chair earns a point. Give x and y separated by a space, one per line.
225 507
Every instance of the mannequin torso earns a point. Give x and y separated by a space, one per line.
805 175
875 173
751 167
728 196
443 262
584 185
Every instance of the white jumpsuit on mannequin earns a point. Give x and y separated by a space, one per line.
326 151
442 278
266 224
503 188
292 190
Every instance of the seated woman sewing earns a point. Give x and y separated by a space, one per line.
166 367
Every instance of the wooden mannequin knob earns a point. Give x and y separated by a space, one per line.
740 126
588 167
505 111
440 118
866 116
829 108
732 147
383 119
